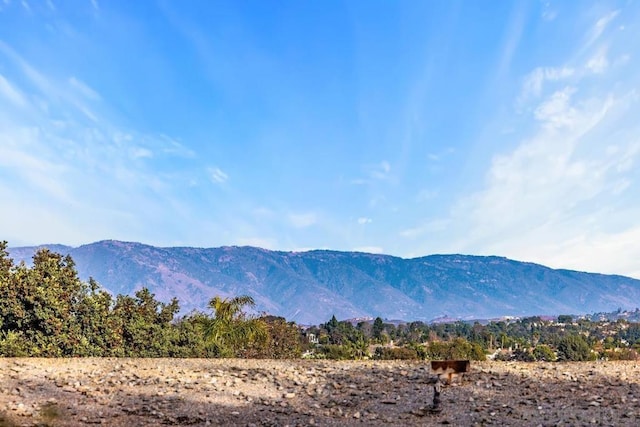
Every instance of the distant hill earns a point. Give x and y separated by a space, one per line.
310 287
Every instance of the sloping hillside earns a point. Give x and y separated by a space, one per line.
309 287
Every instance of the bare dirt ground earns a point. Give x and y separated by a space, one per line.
150 392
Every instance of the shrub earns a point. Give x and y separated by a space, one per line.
337 352
544 353
621 354
14 344
574 348
504 356
523 355
459 348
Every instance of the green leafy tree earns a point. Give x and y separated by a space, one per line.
565 318
631 334
230 331
334 331
145 324
41 302
187 338
574 348
6 263
283 340
378 330
99 334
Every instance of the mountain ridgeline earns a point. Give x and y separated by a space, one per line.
310 287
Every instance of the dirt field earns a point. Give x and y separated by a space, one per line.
150 392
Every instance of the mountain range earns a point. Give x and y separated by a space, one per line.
309 287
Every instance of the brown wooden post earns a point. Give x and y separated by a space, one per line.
447 368
435 407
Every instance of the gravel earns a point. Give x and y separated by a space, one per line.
210 392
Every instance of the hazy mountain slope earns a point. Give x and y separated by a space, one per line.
309 287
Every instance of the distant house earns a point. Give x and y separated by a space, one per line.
313 339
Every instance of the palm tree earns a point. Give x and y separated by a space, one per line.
231 331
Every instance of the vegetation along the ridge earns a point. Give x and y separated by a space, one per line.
47 311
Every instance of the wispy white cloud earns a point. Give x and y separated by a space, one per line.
364 220
377 200
380 171
21 153
34 76
599 251
84 89
599 27
173 147
548 12
431 226
512 36
534 81
263 212
598 63
550 188
557 111
218 176
302 220
9 92
52 93
622 60
426 194
374 172
385 166
439 156
141 153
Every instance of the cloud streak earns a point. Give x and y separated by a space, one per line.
302 220
218 176
10 93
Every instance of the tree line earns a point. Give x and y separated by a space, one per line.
47 311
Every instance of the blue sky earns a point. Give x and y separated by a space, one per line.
407 128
